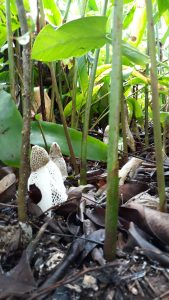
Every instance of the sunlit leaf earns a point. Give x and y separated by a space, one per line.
138 26
74 38
134 54
52 12
163 5
129 17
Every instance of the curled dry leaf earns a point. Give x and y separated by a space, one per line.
151 251
151 221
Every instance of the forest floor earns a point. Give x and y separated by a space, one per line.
61 257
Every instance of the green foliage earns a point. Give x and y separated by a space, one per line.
134 55
164 117
74 38
83 74
135 109
10 130
163 5
96 150
129 17
52 12
10 135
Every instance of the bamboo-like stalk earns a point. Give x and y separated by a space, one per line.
26 105
10 50
112 167
156 107
87 112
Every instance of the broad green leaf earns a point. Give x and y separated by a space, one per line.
10 130
52 12
163 5
10 135
96 150
74 38
134 54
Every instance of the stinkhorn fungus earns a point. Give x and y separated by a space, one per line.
56 156
46 177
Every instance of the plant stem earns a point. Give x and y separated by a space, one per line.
83 169
123 125
10 50
74 87
59 103
67 11
27 95
156 107
112 167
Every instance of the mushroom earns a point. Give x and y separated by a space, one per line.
56 156
46 179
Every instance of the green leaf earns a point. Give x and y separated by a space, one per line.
163 5
96 150
74 38
10 135
81 100
52 12
136 109
3 33
134 54
138 25
164 117
92 5
10 130
129 17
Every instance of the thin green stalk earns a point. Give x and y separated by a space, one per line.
83 7
59 102
156 107
43 134
146 116
146 105
112 160
123 125
74 88
67 11
10 50
26 105
107 61
87 112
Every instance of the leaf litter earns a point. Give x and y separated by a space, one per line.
63 256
